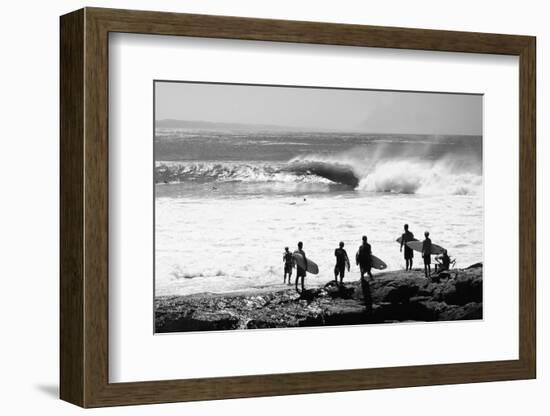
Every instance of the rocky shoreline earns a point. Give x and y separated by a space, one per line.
397 296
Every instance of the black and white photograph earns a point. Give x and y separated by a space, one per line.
297 206
268 208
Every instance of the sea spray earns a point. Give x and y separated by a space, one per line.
441 177
416 177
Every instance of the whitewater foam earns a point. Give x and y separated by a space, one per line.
409 177
440 177
169 172
401 174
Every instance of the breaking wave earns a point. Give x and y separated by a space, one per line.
420 178
400 175
236 172
332 171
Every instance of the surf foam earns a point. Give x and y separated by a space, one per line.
382 170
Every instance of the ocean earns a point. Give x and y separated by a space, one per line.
227 202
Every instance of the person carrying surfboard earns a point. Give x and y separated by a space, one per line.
426 254
287 259
364 261
363 258
409 253
342 261
300 272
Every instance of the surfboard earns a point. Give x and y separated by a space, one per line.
401 237
377 263
311 266
417 246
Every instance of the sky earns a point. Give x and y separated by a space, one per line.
368 111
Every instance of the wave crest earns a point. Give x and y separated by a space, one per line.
406 177
384 171
168 172
402 176
333 171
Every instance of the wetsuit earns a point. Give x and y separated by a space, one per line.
288 263
364 258
342 261
405 238
299 271
427 250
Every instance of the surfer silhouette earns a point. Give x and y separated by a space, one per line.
363 258
443 262
287 259
409 253
300 272
342 261
426 254
364 261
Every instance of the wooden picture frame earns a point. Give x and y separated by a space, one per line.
84 207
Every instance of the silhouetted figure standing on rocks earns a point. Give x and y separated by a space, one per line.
342 261
364 261
426 254
409 253
287 259
300 273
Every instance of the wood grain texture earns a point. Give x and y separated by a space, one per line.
527 208
71 219
84 207
162 23
96 209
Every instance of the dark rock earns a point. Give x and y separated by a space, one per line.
436 278
415 299
309 294
415 310
469 288
335 290
428 310
472 310
197 321
392 297
428 289
448 293
400 292
259 323
346 312
460 291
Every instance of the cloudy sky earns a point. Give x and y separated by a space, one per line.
368 111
